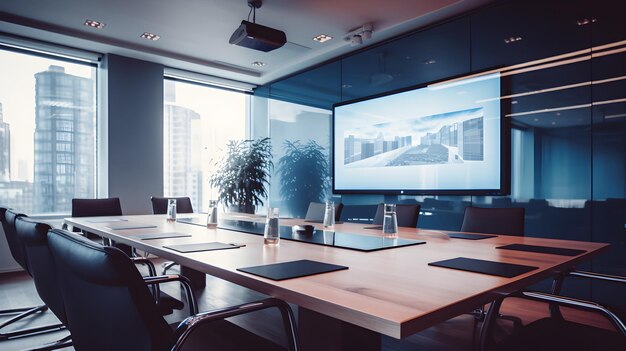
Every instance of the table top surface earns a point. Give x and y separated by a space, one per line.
393 292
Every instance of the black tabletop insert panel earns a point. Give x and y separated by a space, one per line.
324 237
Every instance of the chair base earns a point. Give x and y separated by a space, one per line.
23 313
55 345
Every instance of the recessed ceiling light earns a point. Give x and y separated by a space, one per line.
150 36
94 24
513 102
322 38
536 119
512 39
258 63
585 21
346 86
429 62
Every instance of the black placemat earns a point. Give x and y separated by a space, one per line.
470 236
542 249
129 225
151 236
185 248
293 269
501 269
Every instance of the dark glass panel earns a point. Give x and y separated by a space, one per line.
609 173
319 87
429 55
521 31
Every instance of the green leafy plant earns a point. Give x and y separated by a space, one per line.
303 174
243 173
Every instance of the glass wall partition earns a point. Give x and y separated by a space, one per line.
47 132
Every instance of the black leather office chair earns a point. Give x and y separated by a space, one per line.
34 236
556 333
125 316
501 221
111 207
18 252
159 204
407 215
316 210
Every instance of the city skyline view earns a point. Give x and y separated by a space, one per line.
47 133
452 137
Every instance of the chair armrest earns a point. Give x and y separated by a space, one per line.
599 276
186 327
191 299
147 262
574 303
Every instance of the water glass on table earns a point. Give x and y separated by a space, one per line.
171 210
390 221
211 221
271 235
329 214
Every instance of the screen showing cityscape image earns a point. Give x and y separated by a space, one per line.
440 137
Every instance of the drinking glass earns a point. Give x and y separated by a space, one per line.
211 221
329 214
171 210
390 221
271 234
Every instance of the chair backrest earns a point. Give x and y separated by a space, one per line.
96 207
504 221
316 211
407 215
108 306
34 236
159 204
18 251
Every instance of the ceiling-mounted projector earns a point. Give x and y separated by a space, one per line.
258 37
255 36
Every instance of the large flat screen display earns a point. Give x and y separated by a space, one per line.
444 138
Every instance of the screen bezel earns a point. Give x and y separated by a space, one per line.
505 144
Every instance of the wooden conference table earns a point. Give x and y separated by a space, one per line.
392 292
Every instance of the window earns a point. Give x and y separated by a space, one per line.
198 122
47 126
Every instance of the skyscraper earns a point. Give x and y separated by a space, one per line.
64 140
5 149
181 177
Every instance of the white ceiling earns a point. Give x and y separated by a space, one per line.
194 33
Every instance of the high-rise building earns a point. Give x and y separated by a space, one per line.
64 140
181 178
471 139
5 149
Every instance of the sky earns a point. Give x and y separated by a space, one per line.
17 96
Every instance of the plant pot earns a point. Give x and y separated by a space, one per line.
248 208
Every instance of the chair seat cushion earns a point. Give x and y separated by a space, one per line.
553 334
224 335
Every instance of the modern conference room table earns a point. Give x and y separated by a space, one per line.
394 291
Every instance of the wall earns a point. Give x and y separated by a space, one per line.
134 101
568 145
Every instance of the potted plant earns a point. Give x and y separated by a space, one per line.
243 173
303 174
